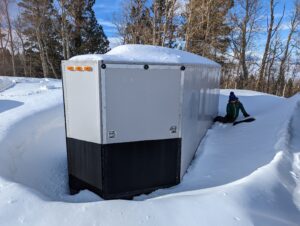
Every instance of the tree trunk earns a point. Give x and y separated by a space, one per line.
2 47
6 2
188 28
154 23
64 30
261 76
166 24
169 16
23 55
171 30
205 47
282 68
244 76
50 63
271 63
42 53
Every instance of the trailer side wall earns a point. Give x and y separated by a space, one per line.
200 105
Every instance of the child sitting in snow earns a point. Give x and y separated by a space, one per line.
233 108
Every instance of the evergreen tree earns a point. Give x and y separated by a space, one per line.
87 36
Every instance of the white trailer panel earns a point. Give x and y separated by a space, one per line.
82 102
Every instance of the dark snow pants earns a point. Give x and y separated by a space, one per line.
223 119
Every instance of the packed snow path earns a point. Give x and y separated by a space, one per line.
243 175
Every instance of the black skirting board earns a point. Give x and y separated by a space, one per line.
123 170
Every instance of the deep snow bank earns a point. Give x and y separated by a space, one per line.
243 175
34 139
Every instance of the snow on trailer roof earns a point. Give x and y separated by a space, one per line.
146 54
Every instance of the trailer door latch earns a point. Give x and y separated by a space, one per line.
173 129
112 134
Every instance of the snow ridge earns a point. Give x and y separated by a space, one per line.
291 178
5 84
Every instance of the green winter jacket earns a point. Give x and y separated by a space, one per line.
233 109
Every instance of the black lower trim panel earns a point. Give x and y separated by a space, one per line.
124 169
84 161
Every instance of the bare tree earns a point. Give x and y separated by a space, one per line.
169 21
188 32
36 15
4 7
245 22
272 30
38 18
207 30
163 21
18 25
273 56
64 27
122 19
157 8
2 35
135 23
294 24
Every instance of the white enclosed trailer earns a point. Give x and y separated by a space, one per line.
135 117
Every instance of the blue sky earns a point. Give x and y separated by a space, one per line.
105 11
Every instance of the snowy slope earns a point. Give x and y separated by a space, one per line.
243 175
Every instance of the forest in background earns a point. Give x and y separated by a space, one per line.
44 32
244 36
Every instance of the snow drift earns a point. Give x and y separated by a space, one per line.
5 84
248 174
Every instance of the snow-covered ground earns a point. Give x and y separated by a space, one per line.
247 174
